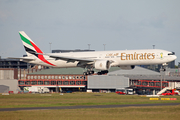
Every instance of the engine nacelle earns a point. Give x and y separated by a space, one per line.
102 65
127 67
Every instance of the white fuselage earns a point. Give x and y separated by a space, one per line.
119 58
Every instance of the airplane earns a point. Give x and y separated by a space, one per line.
99 60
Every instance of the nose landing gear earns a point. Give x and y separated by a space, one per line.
163 67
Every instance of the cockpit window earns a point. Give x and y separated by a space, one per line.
172 53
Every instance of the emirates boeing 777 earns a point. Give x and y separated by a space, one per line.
99 60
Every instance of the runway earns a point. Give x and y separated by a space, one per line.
90 106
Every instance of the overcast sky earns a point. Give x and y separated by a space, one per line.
73 24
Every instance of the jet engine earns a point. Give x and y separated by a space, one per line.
102 65
127 67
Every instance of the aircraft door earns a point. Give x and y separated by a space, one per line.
100 56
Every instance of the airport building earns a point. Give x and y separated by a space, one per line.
9 80
158 66
13 63
141 80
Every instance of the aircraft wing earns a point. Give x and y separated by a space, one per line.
22 58
72 59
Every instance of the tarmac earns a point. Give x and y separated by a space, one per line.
91 106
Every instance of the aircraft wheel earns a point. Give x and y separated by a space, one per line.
88 72
85 73
99 73
91 72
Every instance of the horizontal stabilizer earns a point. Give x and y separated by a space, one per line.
22 58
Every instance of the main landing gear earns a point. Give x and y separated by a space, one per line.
103 72
89 72
92 72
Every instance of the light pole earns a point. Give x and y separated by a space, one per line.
104 46
89 46
50 46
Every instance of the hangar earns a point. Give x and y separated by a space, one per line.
8 80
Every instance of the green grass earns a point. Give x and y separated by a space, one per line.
72 99
125 113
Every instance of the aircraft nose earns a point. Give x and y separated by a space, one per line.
175 57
